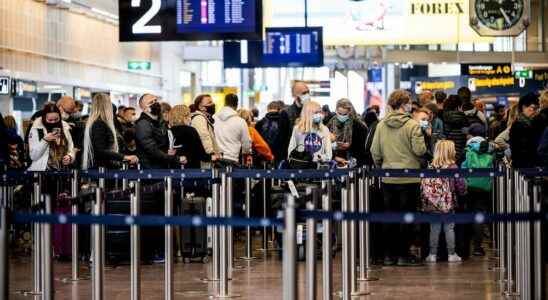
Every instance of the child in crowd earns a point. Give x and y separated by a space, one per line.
479 155
439 196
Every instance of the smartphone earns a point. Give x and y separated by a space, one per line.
57 131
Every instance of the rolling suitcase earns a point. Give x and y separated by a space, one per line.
194 240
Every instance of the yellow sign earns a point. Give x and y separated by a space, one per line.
494 82
442 85
489 70
380 22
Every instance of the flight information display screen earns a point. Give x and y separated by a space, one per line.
282 47
180 20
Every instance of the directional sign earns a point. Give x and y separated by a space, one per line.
4 85
139 65
525 74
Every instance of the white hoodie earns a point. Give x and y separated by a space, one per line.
231 134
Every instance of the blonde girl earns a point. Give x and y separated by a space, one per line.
439 196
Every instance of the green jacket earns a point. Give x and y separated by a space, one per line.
398 144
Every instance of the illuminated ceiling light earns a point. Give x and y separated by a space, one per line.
52 87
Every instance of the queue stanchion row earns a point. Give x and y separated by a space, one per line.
311 245
537 244
135 242
354 286
327 258
215 230
364 234
97 267
501 241
511 191
168 243
4 242
346 291
519 236
289 279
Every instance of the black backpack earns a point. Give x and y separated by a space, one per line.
270 130
473 119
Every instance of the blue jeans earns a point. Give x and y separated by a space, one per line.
435 230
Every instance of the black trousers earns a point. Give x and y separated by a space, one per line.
397 238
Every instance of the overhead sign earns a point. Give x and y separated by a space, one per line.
179 20
282 47
527 74
4 85
380 22
139 65
448 84
485 69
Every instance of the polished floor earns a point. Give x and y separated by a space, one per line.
262 279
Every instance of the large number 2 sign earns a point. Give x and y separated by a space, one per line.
141 27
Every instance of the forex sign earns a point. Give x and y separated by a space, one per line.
485 69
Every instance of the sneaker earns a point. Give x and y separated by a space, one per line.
479 252
159 259
432 258
454 258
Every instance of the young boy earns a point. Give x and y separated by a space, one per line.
479 154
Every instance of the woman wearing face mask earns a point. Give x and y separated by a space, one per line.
202 120
101 146
310 135
348 134
184 139
421 116
50 142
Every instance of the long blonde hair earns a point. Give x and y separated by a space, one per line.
177 115
305 123
444 154
101 109
513 113
246 115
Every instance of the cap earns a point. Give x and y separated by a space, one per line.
475 129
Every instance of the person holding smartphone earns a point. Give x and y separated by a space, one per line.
50 141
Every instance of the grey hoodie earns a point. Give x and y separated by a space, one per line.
231 134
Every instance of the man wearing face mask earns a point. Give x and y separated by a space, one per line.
301 95
151 136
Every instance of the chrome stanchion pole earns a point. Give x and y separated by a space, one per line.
327 259
311 247
4 249
511 191
230 239
519 238
346 291
135 268
47 267
364 195
168 267
248 236
215 232
289 251
37 241
501 225
125 167
265 228
75 259
537 260
97 246
527 241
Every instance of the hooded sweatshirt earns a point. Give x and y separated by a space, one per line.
231 134
398 144
454 123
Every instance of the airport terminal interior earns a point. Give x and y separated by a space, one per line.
273 149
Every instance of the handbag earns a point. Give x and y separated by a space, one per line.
301 159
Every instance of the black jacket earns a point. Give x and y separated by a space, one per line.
454 124
188 144
357 148
102 141
281 142
293 112
368 142
153 143
523 143
540 122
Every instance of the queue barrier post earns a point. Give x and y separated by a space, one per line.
537 232
4 245
47 267
527 240
364 243
97 247
289 251
327 259
354 287
311 246
215 230
501 241
168 243
346 291
248 236
135 241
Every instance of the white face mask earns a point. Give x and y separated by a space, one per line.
64 116
424 124
304 98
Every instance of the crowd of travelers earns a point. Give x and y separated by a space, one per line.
434 131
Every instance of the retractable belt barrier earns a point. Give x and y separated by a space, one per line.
516 209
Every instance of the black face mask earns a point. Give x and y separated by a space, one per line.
156 109
210 109
49 126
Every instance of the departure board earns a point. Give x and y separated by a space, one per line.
180 20
282 47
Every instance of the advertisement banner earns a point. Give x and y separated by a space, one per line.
379 22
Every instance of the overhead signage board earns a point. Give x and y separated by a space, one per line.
5 85
139 65
187 20
379 22
485 69
527 74
282 47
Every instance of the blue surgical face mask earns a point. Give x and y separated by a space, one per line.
342 118
424 124
317 118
